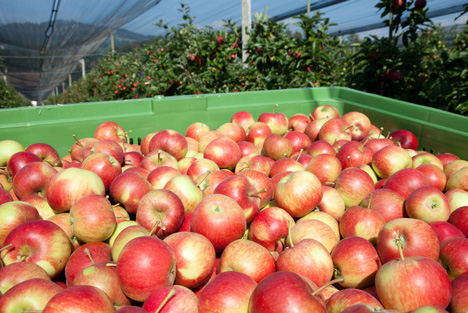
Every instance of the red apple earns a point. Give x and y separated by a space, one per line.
453 252
200 167
298 122
124 236
458 180
254 162
195 130
14 213
278 122
209 183
332 203
333 130
132 158
46 152
349 297
446 158
405 138
172 299
161 175
428 204
314 229
361 222
263 183
170 141
434 175
243 118
325 111
187 191
326 167
258 132
16 273
354 153
406 181
457 198
445 230
459 218
104 165
109 147
128 188
354 184
454 166
233 131
299 141
20 159
285 164
224 152
247 148
390 160
277 147
459 301
389 203
360 123
312 129
110 130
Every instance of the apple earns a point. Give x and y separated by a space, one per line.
185 163
92 218
207 138
423 280
332 203
303 158
220 219
132 158
390 160
46 152
131 309
314 229
160 210
7 149
172 299
41 242
16 273
63 221
32 179
375 144
426 158
360 124
299 141
277 147
298 122
80 299
333 130
20 159
312 129
195 130
454 166
362 222
161 175
145 264
405 181
459 218
345 298
170 141
224 152
128 188
263 183
453 253
14 213
323 217
414 237
447 157
428 204
125 235
254 162
325 111
434 175
459 302
233 131
457 198
158 158
209 183
285 291
201 167
109 147
187 191
354 184
278 122
119 228
227 292
389 203
445 230
104 165
325 167
144 145
247 148
405 138
367 308
243 118
356 261
458 180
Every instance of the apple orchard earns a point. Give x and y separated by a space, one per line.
301 213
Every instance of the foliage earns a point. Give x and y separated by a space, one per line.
9 98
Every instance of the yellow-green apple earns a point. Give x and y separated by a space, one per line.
369 170
285 291
220 219
299 141
185 163
447 157
196 258
459 218
308 258
360 124
63 221
313 128
14 213
405 181
128 188
195 130
207 138
227 292
104 165
426 158
145 264
243 118
119 228
109 147
103 275
445 230
345 298
209 183
5 181
356 261
459 301
375 144
457 198
454 166
298 122
224 152
278 122
80 258
201 167
162 211
127 234
247 257
110 130
270 228
407 283
161 175
41 242
170 141
92 218
7 149
263 183
247 148
428 204
405 139
314 229
172 299
30 295
157 158
20 159
253 161
332 203
414 237
277 147
389 203
67 186
389 160
32 179
354 184
324 111
354 153
144 145
326 167
333 130
434 175
16 273
323 217
458 180
258 132
298 193
80 299
453 252
187 191
233 131
46 152
121 215
285 164
41 204
361 222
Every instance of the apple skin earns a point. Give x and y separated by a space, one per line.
423 280
254 162
224 152
354 184
46 152
219 214
445 230
284 291
334 130
356 260
110 148
277 147
145 264
200 167
323 217
308 258
14 213
325 111
41 204
326 167
313 129
161 175
110 130
41 242
299 141
243 118
416 237
158 158
354 153
183 300
278 122
454 166
390 160
405 138
195 130
130 309
7 149
104 165
360 123
446 158
285 164
457 198
453 257
20 159
458 180
361 222
32 179
210 182
187 191
389 203
405 181
15 273
434 175
128 188
258 132
80 299
367 308
348 297
459 302
332 203
227 292
170 141
127 234
298 122
32 294
315 229
247 148
233 131
196 258
459 218
298 193
428 204
263 183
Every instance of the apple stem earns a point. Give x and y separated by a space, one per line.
365 141
276 105
159 156
245 167
290 222
256 194
399 244
370 199
111 264
349 127
153 230
77 141
88 253
202 178
349 160
31 311
330 183
299 155
162 222
331 282
168 297
6 247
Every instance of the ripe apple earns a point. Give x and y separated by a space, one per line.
457 198
346 298
360 123
187 191
127 234
405 138
389 203
434 175
354 184
254 162
453 253
314 229
172 299
224 152
299 141
428 204
325 167
200 167
209 183
158 158
128 188
278 122
332 203
32 179
426 158
233 131
161 175
459 302
258 132
454 166
325 111
263 183
195 130
447 157
170 141
459 218
445 230
247 148
46 152
16 273
390 160
109 147
277 147
312 129
405 181
361 222
7 149
354 153
63 221
298 122
323 217
104 165
14 213
458 180
243 118
20 159
333 130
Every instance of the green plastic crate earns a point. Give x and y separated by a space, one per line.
438 131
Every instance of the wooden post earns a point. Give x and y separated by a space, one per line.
83 68
246 26
69 80
308 8
112 43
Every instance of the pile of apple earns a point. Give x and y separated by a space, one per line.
315 213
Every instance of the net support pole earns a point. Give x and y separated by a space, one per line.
83 68
246 26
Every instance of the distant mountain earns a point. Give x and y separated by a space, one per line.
124 40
